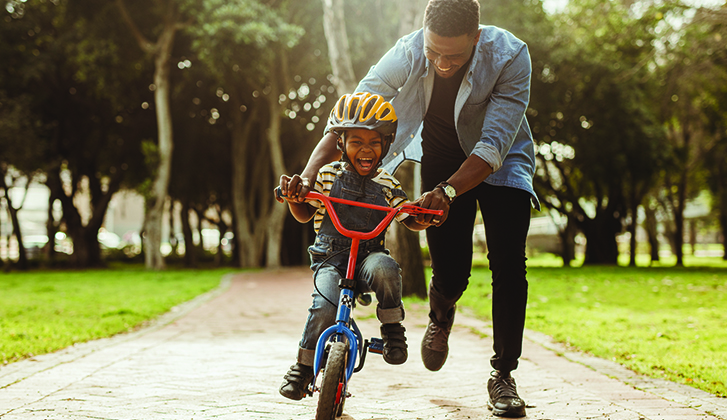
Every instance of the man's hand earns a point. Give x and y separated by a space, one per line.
295 188
434 200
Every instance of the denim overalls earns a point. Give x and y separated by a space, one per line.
379 272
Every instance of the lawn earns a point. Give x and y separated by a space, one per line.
662 321
665 322
44 311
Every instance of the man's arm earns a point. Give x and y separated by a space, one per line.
473 171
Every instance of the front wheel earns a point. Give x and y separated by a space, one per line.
333 385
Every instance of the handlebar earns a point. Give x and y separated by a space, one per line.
392 212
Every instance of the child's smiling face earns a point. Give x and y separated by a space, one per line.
363 148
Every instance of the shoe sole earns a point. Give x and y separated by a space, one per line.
431 365
504 413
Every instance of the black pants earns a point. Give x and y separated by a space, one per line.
506 214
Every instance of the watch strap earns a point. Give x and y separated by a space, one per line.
443 185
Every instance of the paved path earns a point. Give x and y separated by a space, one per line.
223 355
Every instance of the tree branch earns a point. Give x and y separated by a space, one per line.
144 44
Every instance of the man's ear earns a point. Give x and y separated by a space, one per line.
477 37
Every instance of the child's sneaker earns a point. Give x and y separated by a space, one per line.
296 381
395 352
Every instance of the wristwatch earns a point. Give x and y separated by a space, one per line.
449 190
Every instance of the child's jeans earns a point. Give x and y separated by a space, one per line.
378 273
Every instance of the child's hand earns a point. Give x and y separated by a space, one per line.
295 188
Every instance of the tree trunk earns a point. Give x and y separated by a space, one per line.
632 230
13 212
650 225
723 225
190 249
405 249
404 244
411 14
242 191
334 27
601 245
153 226
568 242
86 248
172 234
222 228
679 231
276 215
51 229
693 224
161 51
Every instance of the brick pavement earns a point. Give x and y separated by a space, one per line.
222 356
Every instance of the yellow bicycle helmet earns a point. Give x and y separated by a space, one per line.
364 110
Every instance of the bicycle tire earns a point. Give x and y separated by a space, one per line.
333 393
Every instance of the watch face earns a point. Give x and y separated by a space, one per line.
449 190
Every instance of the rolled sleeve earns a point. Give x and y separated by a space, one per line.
489 154
505 111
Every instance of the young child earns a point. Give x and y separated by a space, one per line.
366 125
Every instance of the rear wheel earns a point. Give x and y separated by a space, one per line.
333 385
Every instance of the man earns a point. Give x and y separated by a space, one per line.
466 87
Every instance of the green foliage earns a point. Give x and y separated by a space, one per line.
663 322
43 312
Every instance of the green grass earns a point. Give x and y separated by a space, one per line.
44 311
664 322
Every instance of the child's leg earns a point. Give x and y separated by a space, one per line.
321 313
383 275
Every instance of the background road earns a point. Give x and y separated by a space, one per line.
223 356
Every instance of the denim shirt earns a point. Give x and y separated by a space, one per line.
352 186
489 111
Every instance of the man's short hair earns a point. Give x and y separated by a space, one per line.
452 18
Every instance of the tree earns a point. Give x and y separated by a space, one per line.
14 207
590 100
269 76
694 80
74 89
339 55
161 53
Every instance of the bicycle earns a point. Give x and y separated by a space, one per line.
341 344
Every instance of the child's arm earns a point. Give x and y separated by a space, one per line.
302 212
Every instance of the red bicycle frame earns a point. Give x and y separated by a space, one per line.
356 236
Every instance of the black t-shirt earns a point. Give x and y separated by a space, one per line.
439 136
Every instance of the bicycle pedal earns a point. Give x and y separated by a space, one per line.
376 345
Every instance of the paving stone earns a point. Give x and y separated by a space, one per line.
223 356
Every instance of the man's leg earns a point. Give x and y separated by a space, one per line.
506 213
450 248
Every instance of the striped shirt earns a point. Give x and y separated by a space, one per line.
324 182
